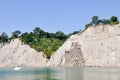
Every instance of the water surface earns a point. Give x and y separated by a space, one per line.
60 73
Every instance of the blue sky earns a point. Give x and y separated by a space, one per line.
53 15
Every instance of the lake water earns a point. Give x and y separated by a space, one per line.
60 73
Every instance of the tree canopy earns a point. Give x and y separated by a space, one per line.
114 20
44 41
15 34
3 37
95 20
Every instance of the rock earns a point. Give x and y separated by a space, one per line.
74 57
16 54
96 46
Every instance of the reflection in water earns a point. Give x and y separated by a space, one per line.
32 74
92 73
68 73
73 73
46 74
102 74
49 74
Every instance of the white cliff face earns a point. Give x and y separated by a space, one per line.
98 46
16 54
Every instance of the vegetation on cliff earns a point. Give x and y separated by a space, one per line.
44 41
3 37
96 21
50 42
38 39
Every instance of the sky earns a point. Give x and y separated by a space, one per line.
53 15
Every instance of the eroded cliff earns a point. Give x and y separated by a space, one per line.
96 46
16 53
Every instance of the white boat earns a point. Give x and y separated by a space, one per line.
17 68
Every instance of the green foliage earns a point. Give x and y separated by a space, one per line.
38 32
114 20
96 21
88 25
106 21
75 32
44 41
27 38
48 45
114 23
60 35
15 34
3 37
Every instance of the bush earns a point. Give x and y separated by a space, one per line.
106 21
114 20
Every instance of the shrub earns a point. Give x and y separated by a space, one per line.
114 20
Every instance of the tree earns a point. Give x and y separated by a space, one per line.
16 34
44 41
27 38
60 35
95 20
3 37
39 33
37 30
114 20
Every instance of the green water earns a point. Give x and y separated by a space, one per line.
60 73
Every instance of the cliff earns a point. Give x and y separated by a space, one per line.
96 46
16 53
